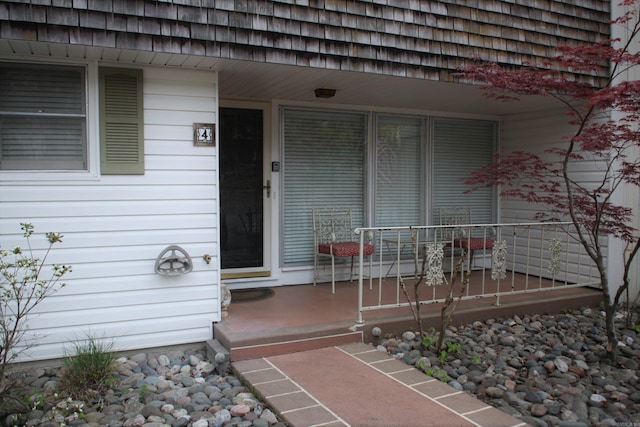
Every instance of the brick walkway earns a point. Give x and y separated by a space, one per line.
356 385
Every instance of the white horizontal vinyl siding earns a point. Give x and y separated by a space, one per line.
115 227
536 133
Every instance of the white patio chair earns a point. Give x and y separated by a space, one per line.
462 238
333 237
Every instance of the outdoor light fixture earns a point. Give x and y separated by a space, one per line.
325 93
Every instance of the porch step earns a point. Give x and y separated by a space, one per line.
285 323
294 346
282 344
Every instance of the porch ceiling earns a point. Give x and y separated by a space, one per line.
254 81
260 81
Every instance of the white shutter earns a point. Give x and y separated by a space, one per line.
461 146
323 168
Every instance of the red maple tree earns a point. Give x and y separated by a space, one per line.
604 120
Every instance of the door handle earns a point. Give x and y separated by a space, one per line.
268 188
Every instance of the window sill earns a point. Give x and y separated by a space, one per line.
49 177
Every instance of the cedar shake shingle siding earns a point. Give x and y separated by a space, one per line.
411 38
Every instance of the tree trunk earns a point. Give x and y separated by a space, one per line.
610 308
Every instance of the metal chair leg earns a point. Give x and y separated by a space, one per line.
315 269
351 272
370 270
333 276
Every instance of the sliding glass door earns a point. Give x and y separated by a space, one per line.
415 166
324 167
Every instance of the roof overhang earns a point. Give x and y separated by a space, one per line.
261 81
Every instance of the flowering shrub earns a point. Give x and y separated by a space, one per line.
24 283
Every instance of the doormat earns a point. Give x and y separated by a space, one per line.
248 295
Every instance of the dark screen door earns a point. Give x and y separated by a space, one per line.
241 188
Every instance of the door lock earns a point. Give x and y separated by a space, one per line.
268 188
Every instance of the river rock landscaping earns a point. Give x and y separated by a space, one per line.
177 388
547 370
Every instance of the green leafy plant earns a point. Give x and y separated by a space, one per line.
439 374
90 370
144 389
35 400
428 338
450 347
24 284
477 359
432 340
453 347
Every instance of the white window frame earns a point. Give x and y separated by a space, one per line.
92 132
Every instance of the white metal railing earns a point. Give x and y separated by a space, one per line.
508 259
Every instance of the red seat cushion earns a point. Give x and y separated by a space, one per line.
473 243
344 249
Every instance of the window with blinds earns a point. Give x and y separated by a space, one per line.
415 170
400 191
42 117
459 147
324 167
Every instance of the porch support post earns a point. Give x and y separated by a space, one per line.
360 320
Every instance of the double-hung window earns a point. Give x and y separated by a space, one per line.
44 120
43 117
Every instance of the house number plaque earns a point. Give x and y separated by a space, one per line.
204 134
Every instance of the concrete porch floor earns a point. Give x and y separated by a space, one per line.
301 352
305 317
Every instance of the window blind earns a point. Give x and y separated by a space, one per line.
42 117
459 147
400 192
324 154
